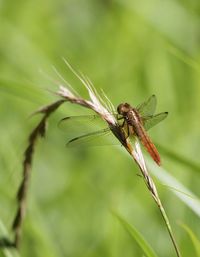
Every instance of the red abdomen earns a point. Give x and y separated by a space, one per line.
148 144
135 122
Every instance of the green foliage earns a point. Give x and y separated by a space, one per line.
147 250
130 49
193 237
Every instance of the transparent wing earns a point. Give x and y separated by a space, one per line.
83 121
87 130
90 139
80 122
151 121
148 107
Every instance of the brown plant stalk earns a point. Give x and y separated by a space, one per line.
38 131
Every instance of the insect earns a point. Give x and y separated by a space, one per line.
135 122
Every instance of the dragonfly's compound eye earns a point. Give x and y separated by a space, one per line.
123 108
119 108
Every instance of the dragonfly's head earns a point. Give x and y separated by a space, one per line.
123 109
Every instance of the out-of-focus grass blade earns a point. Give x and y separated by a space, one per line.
183 193
182 56
148 251
193 238
23 91
180 159
6 252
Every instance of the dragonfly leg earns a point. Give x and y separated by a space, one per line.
125 128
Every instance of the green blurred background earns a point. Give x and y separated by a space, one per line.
130 49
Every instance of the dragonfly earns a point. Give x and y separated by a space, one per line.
134 121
